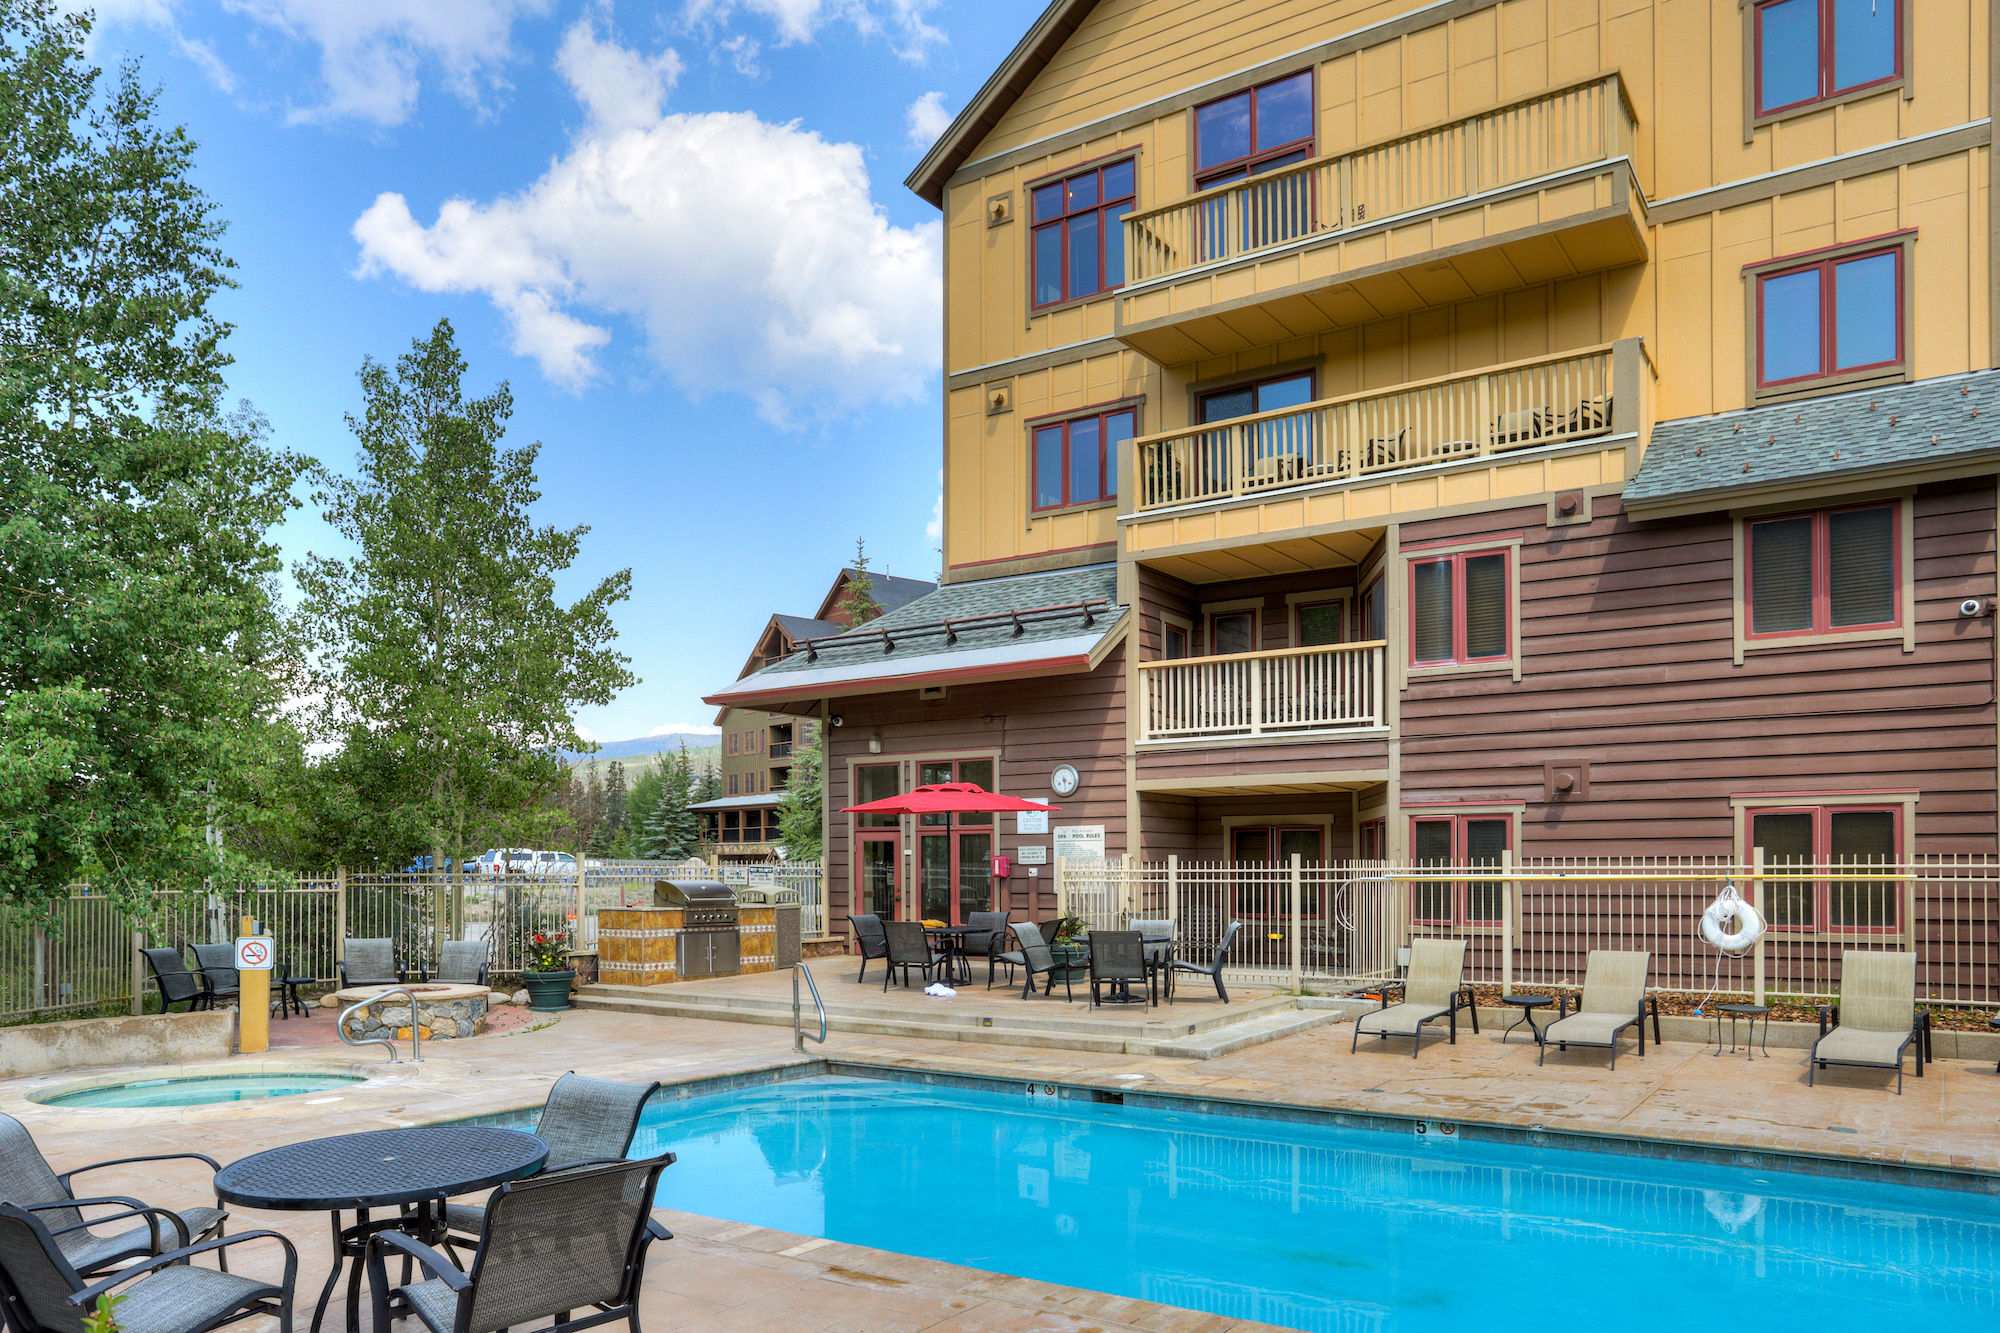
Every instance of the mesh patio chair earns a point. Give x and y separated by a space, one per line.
1039 960
1117 959
28 1181
1158 934
909 948
551 1245
45 1293
583 1120
218 972
1614 998
463 961
985 937
1876 1019
1211 969
177 984
1434 988
369 963
869 939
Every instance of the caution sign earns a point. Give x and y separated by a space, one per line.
253 953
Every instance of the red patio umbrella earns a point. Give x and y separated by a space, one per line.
945 798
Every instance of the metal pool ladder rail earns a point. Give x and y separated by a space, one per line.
798 1026
416 1034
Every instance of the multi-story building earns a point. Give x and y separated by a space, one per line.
1375 429
756 746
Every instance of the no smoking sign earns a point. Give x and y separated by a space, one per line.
253 954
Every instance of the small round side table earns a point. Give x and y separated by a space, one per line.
1527 1005
1752 1012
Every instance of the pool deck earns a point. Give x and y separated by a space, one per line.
723 1277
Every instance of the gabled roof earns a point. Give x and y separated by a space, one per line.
970 127
1945 426
1022 625
805 627
889 592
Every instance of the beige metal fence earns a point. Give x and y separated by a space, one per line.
1533 923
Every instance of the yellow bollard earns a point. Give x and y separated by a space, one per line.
253 1006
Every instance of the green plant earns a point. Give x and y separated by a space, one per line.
1071 929
548 951
101 1319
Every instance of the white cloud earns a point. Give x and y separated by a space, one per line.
927 119
160 14
585 734
741 52
749 254
684 729
935 528
372 52
905 22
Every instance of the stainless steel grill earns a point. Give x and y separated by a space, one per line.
709 943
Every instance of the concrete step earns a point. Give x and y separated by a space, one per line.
1255 1032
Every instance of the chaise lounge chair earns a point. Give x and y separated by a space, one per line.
1614 998
1876 1019
1435 988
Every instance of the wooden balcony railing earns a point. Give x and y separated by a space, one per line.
1572 126
1333 688
1546 400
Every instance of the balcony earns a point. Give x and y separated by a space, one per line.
1294 691
1526 193
1547 400
781 750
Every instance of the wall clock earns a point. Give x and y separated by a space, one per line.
1063 782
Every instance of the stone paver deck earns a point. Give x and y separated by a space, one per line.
722 1277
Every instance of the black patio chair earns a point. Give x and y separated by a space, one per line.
583 1120
909 948
1001 956
1158 933
869 938
45 1293
1117 959
177 984
218 972
552 1244
986 937
463 961
369 963
1213 969
28 1181
1040 960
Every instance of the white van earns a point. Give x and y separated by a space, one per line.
526 861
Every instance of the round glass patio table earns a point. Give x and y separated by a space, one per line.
414 1170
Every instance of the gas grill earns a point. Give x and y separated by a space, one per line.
708 944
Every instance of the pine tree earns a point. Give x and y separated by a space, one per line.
674 832
710 786
615 799
799 816
858 604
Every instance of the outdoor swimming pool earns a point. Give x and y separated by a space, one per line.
1322 1228
198 1091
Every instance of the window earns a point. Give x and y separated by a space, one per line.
732 830
1821 837
976 771
1319 624
1374 840
1460 609
876 782
1263 396
1232 632
1271 848
732 784
1457 840
1810 50
1830 317
732 742
1076 462
1177 642
1079 235
1822 573
1255 131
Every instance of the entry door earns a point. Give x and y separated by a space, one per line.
955 875
876 887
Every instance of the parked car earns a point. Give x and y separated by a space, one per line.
526 862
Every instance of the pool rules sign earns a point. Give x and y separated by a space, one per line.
254 956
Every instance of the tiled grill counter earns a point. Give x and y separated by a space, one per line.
636 945
759 927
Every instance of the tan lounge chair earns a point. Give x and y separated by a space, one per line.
1435 988
1876 1019
1614 998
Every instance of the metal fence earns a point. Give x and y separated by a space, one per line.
82 952
1533 923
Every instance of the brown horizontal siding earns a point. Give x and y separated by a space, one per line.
1224 760
1627 665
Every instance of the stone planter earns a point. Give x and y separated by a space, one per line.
1072 962
445 1011
548 991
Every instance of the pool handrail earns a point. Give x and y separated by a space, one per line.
416 1034
798 1027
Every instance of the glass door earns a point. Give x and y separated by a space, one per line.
955 874
878 855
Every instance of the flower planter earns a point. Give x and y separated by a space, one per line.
1072 962
548 991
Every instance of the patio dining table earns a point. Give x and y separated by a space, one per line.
949 941
409 1169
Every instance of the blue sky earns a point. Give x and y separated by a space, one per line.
677 228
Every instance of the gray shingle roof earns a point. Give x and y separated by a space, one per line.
1849 434
805 627
959 601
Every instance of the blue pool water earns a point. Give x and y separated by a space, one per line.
1334 1230
158 1092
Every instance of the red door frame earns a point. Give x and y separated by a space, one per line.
857 900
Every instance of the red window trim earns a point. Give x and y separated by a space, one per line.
1822 572
1061 224
1311 374
1347 615
1250 161
1829 315
1822 855
1457 560
1461 894
955 822
1107 461
1826 61
1256 614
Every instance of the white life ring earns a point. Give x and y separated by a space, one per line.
1729 908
